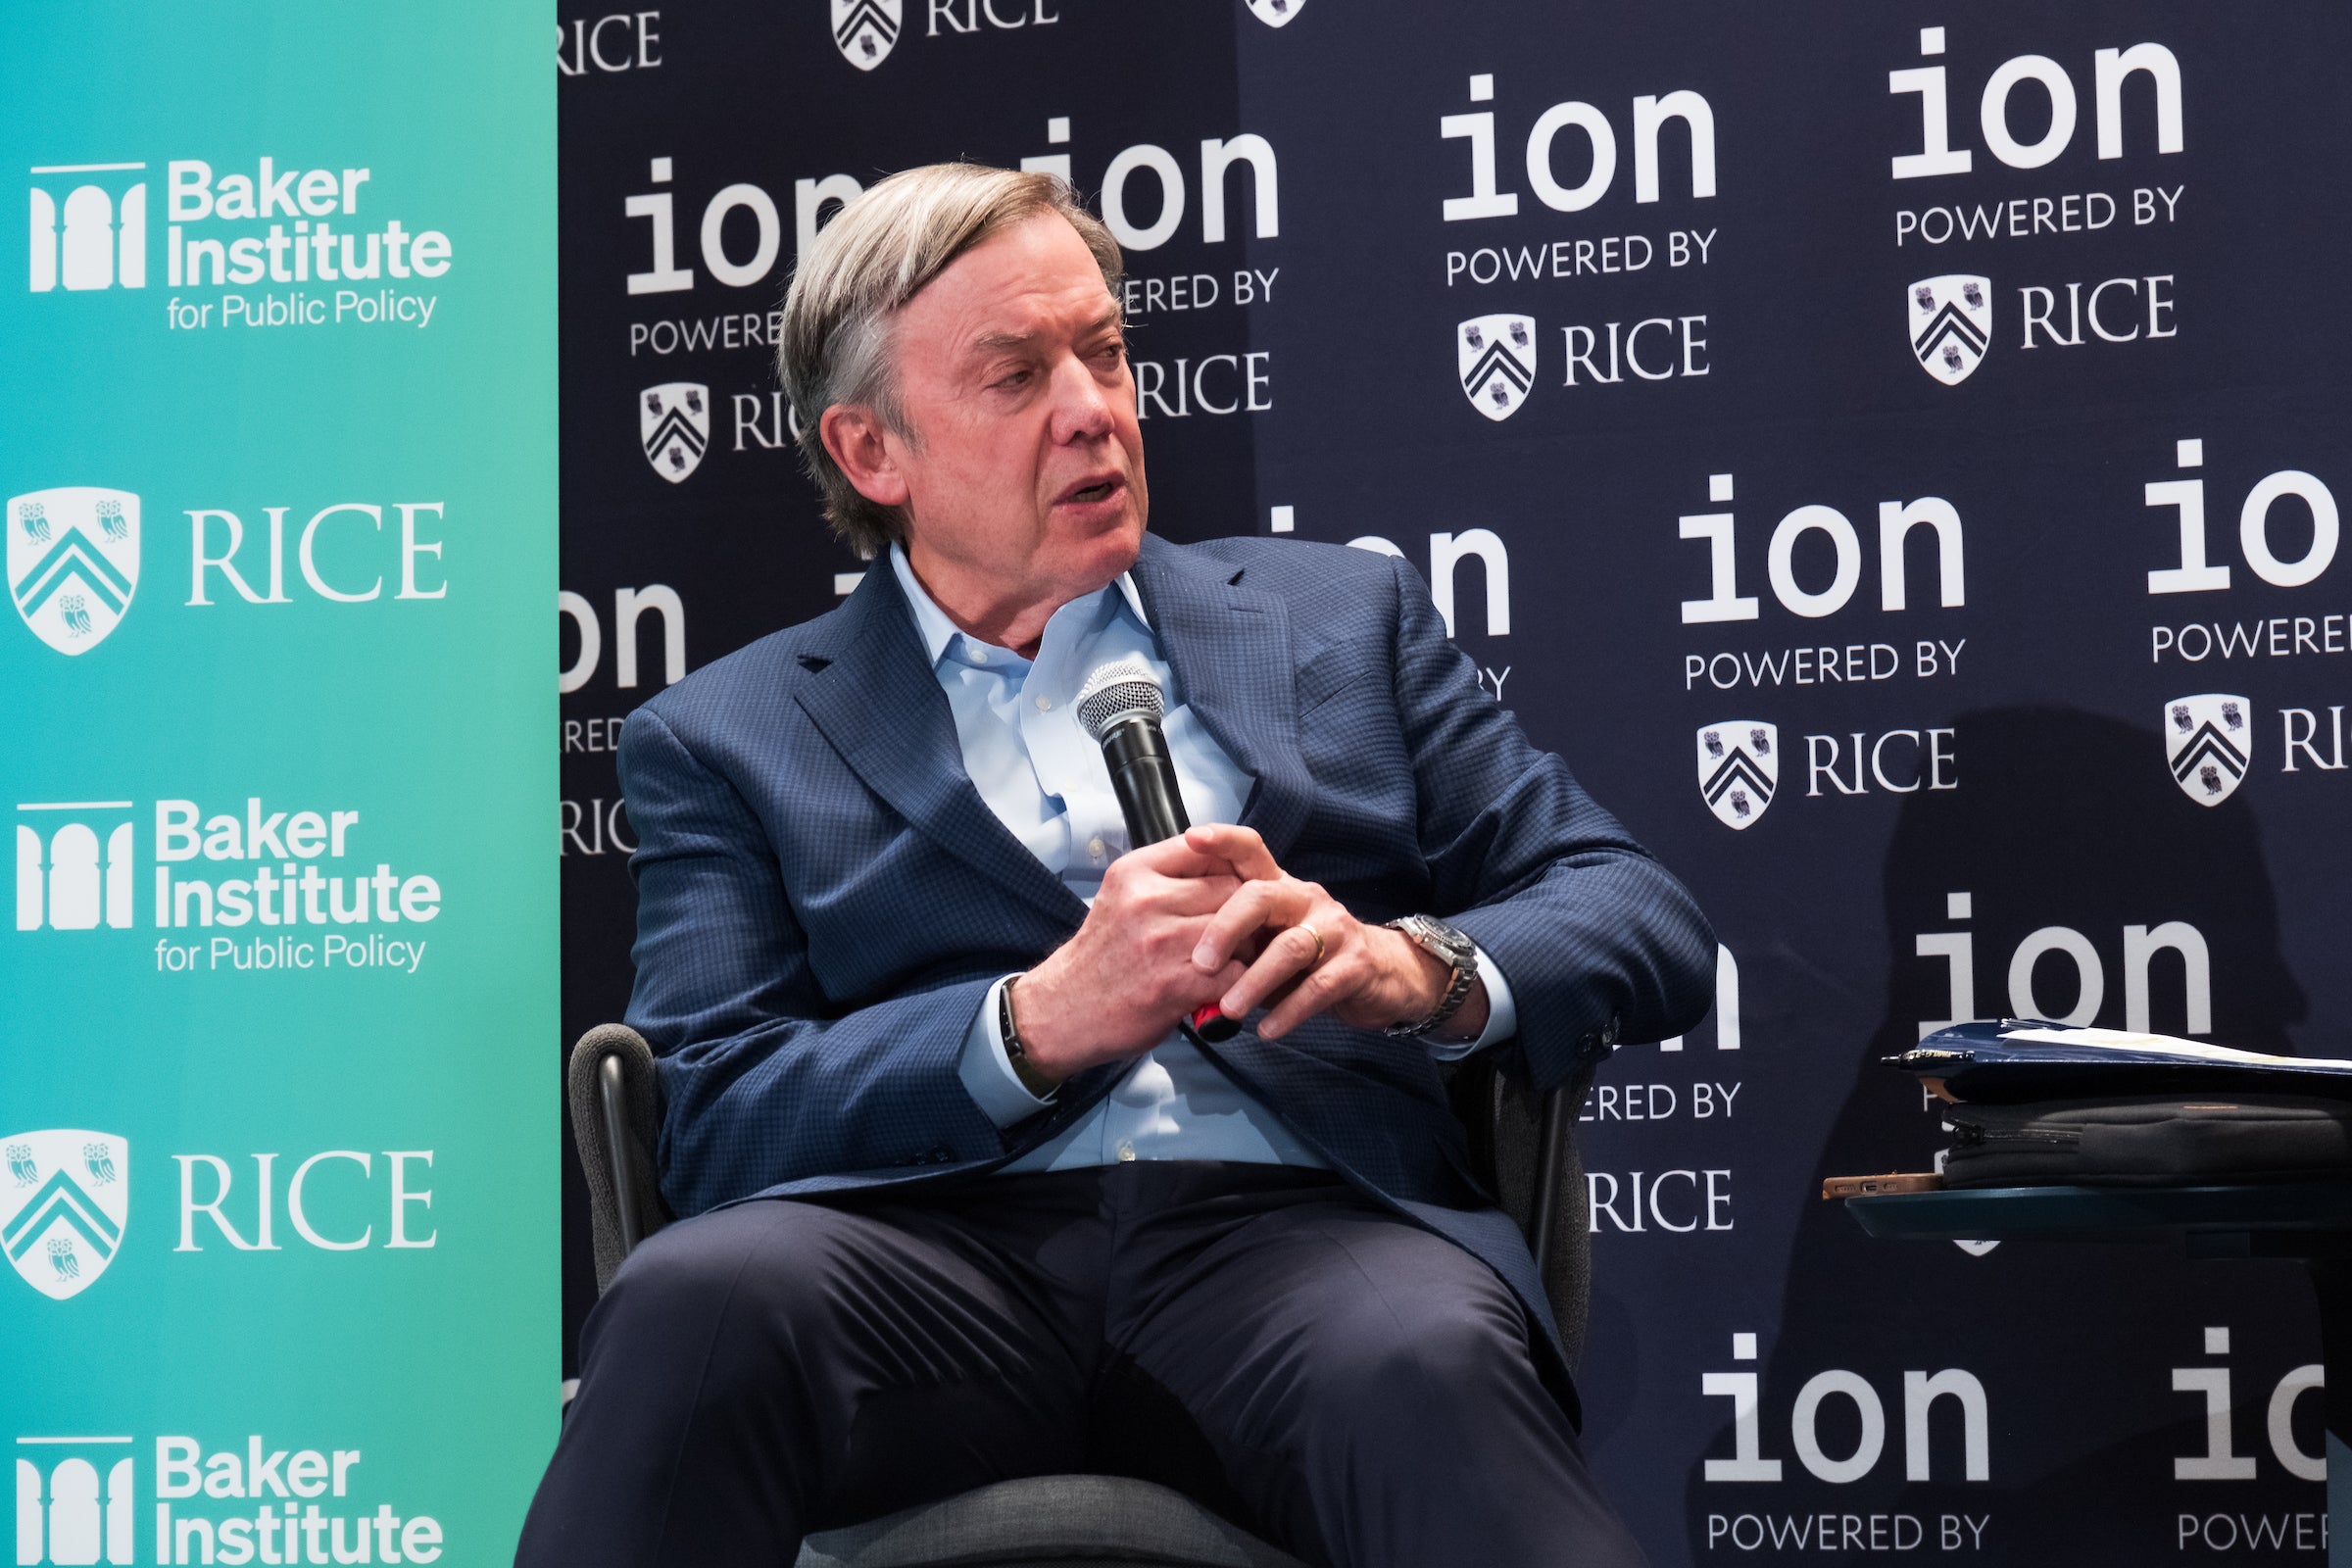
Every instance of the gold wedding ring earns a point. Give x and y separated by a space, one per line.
1319 936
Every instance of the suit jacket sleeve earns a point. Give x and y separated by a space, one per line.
762 1085
1599 940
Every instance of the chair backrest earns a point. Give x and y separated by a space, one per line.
616 1121
1523 1141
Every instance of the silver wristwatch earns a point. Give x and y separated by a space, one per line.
1449 946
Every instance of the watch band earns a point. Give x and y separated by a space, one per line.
1015 1052
1450 947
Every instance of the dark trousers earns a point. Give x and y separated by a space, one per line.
1354 1389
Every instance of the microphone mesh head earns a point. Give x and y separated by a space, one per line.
1121 690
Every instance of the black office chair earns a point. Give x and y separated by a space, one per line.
1523 1143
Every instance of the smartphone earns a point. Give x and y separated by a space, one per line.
1877 1186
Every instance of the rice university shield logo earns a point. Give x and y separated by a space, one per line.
2209 741
1951 324
1276 12
1496 357
1738 768
673 424
73 563
64 1201
864 29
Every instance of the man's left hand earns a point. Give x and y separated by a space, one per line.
1368 976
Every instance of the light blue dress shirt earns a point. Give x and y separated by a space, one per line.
1038 770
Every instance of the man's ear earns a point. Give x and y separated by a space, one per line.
864 449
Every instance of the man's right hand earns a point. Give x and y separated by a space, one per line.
1117 988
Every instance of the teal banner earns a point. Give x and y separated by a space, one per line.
278 1202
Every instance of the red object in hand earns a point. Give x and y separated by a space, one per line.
1212 1025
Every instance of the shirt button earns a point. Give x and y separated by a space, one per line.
979 654
1045 705
1094 847
1126 1152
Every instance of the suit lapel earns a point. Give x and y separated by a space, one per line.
1230 647
882 708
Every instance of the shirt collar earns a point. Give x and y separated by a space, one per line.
939 633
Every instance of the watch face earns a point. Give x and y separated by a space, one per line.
1459 946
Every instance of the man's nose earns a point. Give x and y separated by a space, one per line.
1082 408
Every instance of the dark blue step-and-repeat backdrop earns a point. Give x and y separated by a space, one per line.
1890 449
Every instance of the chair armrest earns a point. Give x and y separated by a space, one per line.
615 1124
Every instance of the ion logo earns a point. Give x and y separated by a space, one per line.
100 242
63 1206
1738 768
2207 739
73 563
1496 357
1276 12
1952 325
673 424
863 30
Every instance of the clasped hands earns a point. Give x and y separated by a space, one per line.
1209 917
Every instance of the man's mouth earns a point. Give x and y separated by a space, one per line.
1088 494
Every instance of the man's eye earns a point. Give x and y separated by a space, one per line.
1016 381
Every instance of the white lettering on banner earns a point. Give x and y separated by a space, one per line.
1828 1531
2145 317
630 606
1607 1101
1676 1200
609 45
1446 551
216 544
94 236
1608 256
1849 663
1594 152
971 16
1921 759
2254 1531
2025 216
2086 986
594 827
1195 291
66 881
2188 497
2220 1461
1921 1394
1896 521
190 1482
1144 178
1676 348
408 1226
1215 385
2111 68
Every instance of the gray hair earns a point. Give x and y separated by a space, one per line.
875 256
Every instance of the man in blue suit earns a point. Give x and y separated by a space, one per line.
958 1201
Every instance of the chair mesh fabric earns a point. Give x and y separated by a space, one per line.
1504 1114
640 1098
1061 1520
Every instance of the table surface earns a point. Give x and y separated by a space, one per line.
1986 1212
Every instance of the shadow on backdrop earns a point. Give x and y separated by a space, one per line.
2070 819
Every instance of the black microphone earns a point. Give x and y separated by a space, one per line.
1120 706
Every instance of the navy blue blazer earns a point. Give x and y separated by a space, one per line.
823 898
